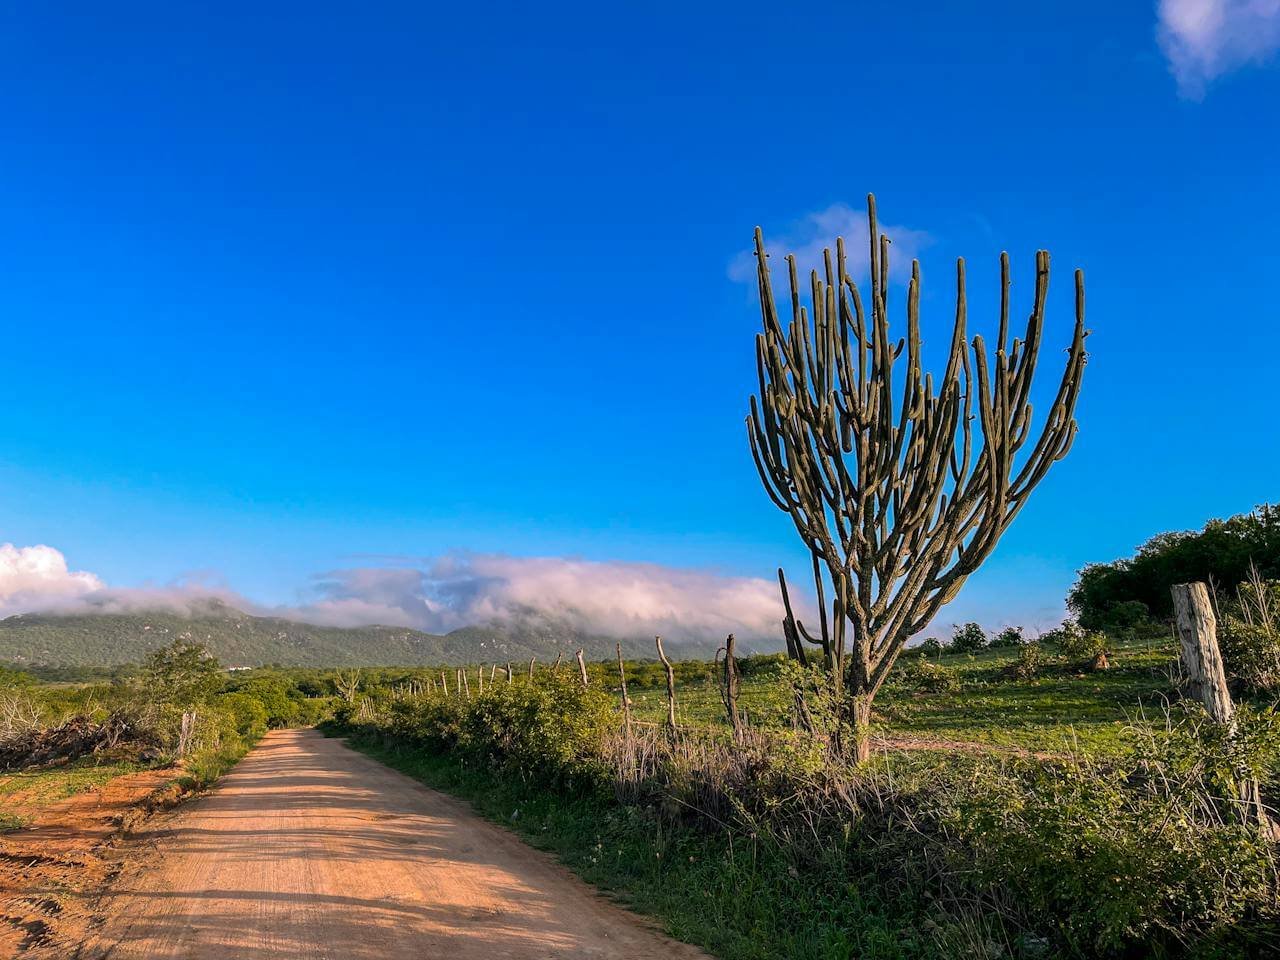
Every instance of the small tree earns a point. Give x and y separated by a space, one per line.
182 673
1008 638
968 638
881 476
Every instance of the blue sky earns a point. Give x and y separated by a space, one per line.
331 286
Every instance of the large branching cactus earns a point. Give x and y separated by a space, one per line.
894 492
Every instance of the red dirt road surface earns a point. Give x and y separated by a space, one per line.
311 850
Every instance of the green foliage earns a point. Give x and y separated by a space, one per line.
930 677
1082 647
1249 637
1007 639
1144 856
1031 661
550 729
11 679
968 638
931 647
182 673
1119 595
248 713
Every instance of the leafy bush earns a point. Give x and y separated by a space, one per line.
1250 636
1084 648
1008 638
549 729
1031 661
1161 835
930 677
968 638
931 647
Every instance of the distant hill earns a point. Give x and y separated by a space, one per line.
239 639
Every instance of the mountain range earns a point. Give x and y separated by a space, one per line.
239 639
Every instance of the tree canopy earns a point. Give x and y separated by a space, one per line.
1120 593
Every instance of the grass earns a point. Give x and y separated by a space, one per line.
1063 710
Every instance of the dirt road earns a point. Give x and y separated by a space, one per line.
311 850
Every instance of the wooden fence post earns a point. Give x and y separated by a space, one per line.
555 667
1198 635
582 667
531 660
671 685
626 701
1207 678
731 687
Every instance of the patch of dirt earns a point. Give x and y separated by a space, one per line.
51 870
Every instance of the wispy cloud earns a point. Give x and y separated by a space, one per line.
1203 39
439 594
811 234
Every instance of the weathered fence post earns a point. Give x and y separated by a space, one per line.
480 679
671 685
555 667
582 667
1207 678
1198 635
444 683
731 687
510 676
531 660
626 701
462 682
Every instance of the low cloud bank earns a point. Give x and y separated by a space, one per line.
610 598
439 594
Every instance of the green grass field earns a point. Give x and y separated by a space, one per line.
1062 710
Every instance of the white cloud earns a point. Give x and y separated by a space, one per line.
439 594
611 598
1204 39
39 574
816 232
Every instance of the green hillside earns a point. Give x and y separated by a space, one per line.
239 639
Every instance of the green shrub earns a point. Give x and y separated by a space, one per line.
247 711
1084 648
968 638
930 677
1030 663
1008 638
1250 636
1149 855
931 647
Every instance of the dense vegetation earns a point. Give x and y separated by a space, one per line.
178 709
1021 804
1118 595
54 642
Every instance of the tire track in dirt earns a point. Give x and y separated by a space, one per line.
311 851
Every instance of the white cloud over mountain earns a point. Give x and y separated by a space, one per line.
441 594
